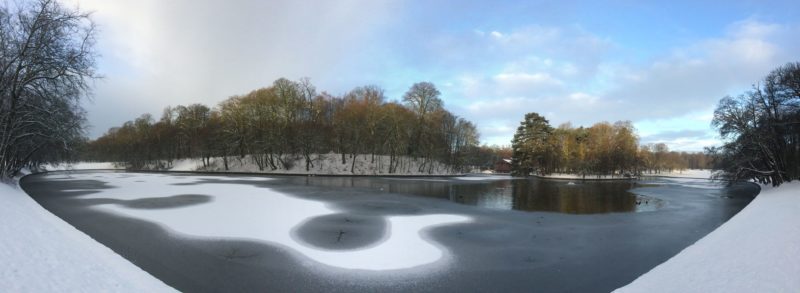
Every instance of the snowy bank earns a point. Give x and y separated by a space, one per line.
690 173
758 250
321 164
80 166
581 177
39 252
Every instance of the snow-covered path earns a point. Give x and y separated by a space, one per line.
39 252
758 250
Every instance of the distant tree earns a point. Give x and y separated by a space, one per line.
423 99
396 128
530 147
602 149
277 125
46 64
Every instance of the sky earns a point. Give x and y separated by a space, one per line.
662 65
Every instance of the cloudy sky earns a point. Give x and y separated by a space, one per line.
661 65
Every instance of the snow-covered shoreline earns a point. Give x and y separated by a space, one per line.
39 252
755 251
321 165
561 176
691 173
758 250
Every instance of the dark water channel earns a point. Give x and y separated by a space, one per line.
508 193
527 235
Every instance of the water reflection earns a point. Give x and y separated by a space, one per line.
581 198
556 196
507 193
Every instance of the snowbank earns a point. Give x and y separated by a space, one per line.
80 166
322 164
690 173
758 250
581 177
41 253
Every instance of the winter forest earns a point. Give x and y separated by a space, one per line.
273 126
602 149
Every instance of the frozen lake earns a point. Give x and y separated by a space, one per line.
283 233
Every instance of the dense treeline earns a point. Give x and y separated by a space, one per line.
762 130
602 149
274 125
46 65
484 157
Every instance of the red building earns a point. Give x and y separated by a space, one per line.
503 166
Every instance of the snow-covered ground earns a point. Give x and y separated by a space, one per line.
689 173
758 250
322 164
578 177
41 253
327 164
80 166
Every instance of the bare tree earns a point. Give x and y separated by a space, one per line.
423 98
46 64
761 129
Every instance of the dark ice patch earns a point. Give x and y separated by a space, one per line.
167 202
378 207
341 231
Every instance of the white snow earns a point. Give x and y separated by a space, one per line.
587 177
483 178
243 211
689 173
327 164
697 183
41 253
758 250
80 166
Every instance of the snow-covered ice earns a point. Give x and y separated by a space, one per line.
758 250
244 211
81 166
41 253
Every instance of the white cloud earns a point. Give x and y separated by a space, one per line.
697 76
157 53
566 87
512 84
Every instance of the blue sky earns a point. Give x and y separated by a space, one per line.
662 65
